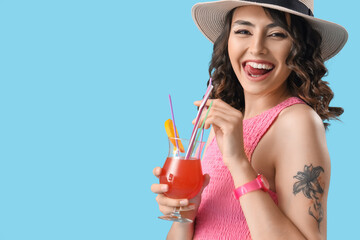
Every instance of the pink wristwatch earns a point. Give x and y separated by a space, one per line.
259 182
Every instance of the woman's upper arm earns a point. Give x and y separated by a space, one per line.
303 171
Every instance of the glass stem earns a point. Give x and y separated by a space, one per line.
176 212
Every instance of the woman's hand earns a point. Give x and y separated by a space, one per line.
167 205
228 129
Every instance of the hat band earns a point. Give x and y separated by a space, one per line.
293 5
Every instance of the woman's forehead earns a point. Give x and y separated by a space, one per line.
255 14
252 14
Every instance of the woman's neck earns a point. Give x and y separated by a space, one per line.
256 104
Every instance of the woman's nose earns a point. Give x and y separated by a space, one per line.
257 45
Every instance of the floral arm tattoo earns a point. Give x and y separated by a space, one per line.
308 183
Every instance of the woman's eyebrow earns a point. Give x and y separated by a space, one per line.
242 22
247 23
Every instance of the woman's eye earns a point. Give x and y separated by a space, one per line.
278 35
242 31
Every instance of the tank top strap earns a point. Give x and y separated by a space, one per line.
255 128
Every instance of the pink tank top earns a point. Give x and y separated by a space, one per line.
220 215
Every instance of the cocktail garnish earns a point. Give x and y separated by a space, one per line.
169 127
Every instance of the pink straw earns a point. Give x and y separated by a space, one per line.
207 90
173 120
202 129
197 121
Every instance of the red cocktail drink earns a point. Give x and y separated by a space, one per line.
183 176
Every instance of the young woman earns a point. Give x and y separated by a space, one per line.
268 121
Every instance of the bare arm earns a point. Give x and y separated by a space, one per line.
302 179
299 143
304 173
181 231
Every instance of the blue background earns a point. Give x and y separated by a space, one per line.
83 98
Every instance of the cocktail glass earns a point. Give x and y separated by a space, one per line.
183 176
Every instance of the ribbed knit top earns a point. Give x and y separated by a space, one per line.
220 215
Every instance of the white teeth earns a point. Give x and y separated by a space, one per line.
260 65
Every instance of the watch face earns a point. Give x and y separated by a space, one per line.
265 183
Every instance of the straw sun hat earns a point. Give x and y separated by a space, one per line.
210 18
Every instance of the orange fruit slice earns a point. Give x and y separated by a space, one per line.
169 127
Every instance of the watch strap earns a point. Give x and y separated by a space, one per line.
258 183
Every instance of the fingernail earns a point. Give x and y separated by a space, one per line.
164 188
183 202
191 207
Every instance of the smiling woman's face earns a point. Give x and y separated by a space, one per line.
258 49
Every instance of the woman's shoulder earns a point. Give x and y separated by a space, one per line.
299 118
299 132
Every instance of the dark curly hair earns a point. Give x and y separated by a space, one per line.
305 61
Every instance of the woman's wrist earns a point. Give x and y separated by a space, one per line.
181 231
241 171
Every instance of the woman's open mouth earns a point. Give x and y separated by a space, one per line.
257 69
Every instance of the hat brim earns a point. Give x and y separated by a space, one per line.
210 18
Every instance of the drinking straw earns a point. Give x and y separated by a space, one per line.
202 127
196 125
202 134
174 126
198 151
207 90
